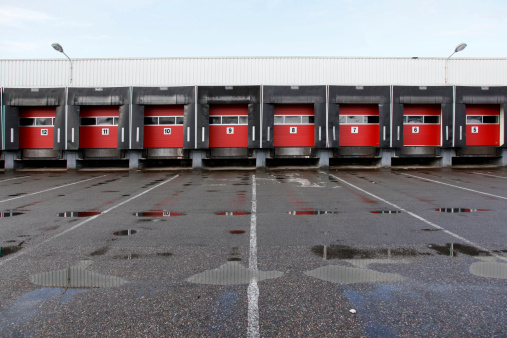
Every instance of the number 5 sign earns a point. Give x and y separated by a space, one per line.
475 130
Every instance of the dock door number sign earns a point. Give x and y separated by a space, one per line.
44 132
167 131
230 130
293 130
105 131
354 130
475 130
415 130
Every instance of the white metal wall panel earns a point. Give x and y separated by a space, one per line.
252 71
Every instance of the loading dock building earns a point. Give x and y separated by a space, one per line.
255 112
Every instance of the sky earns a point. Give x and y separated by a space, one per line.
242 28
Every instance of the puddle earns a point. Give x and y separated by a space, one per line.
429 230
7 250
49 228
453 249
79 213
458 210
10 214
100 252
489 269
385 212
310 212
232 273
237 232
138 256
337 251
158 214
128 232
232 213
76 277
347 275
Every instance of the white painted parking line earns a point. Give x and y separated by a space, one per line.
456 186
253 288
505 178
40 192
419 218
27 250
10 179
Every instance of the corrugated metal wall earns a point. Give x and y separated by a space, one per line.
252 71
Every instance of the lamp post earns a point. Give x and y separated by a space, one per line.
59 48
458 48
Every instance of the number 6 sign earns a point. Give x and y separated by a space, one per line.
415 130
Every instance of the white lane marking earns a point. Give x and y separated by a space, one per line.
27 250
419 218
505 178
10 179
253 288
40 192
456 186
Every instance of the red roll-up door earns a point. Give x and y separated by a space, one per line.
359 125
422 125
228 126
483 125
163 126
294 125
99 127
36 127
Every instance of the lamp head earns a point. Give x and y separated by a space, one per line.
460 47
59 47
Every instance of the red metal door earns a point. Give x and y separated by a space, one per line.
99 127
483 125
294 125
163 126
228 126
421 125
359 125
36 127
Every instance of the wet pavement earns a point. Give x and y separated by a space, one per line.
228 253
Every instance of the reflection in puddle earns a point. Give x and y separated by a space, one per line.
79 213
232 273
232 213
347 275
310 212
452 249
158 214
457 210
336 251
125 232
76 277
7 250
385 212
10 214
489 269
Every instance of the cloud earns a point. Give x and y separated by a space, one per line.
14 16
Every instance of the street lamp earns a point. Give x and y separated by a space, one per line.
59 48
458 48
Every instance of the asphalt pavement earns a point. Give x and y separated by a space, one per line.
254 253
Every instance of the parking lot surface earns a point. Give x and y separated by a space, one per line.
254 253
